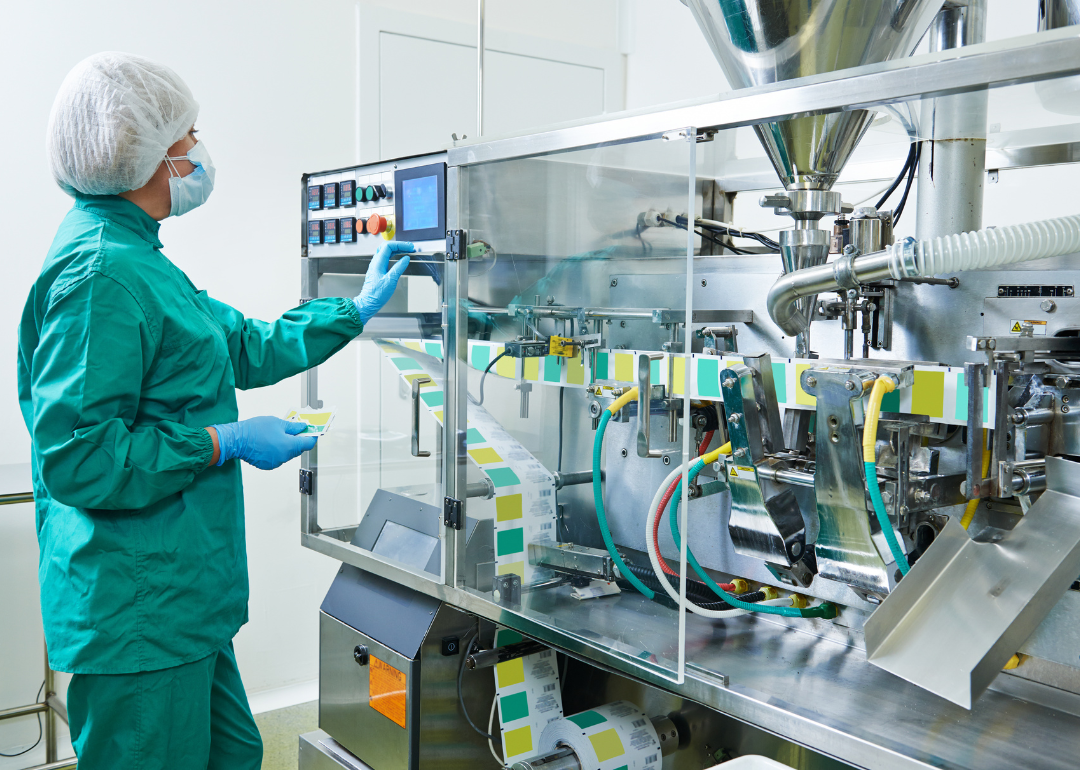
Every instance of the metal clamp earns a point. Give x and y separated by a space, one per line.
644 382
416 384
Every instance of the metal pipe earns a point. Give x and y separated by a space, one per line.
562 758
1029 480
483 488
786 476
22 711
843 273
19 497
488 658
952 166
50 714
480 68
571 312
64 764
571 478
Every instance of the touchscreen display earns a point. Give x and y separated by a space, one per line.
420 203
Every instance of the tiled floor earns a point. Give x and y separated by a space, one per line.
281 731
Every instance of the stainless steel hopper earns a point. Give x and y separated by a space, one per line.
758 42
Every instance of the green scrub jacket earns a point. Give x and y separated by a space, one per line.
122 364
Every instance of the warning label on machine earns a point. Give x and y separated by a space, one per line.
1017 326
386 690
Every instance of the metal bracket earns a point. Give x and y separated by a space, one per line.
416 384
451 516
644 378
455 245
307 478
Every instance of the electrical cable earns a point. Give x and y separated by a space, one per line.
717 241
598 491
882 385
725 228
899 177
491 723
485 374
907 187
40 730
461 698
671 482
696 591
705 441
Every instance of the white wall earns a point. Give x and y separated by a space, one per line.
252 71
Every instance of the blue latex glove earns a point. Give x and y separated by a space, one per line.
265 442
379 283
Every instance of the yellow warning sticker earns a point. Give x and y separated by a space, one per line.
386 690
734 472
1016 326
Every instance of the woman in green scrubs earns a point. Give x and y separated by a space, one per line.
127 376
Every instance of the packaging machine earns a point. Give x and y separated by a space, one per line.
625 476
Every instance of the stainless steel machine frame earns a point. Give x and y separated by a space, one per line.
814 687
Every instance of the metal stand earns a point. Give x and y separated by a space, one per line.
51 706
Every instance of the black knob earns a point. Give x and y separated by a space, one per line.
360 655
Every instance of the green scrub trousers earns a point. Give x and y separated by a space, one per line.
190 717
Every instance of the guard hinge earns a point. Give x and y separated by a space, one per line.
307 478
451 516
455 245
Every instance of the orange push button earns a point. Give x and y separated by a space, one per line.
376 224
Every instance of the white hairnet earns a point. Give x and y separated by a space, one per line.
113 120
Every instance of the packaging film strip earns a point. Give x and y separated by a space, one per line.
527 688
524 488
529 698
615 736
938 392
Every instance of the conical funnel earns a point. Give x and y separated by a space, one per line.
765 41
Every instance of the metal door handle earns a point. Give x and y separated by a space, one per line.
416 416
644 393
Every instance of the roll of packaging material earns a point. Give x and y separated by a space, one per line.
613 736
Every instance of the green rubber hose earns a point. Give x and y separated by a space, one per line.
825 610
883 518
601 515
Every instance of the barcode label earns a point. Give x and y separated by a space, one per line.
650 759
546 525
549 687
639 723
545 493
545 654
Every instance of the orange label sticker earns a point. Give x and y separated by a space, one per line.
386 690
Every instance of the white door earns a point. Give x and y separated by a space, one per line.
417 82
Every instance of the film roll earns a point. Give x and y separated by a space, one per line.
615 736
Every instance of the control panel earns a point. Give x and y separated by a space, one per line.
351 212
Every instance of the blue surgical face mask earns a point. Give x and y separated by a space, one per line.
191 191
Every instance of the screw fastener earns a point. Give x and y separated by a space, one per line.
811 382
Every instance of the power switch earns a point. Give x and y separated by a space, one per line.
451 645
